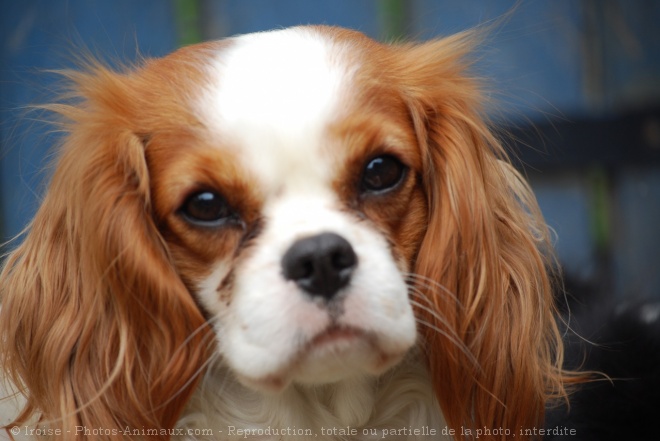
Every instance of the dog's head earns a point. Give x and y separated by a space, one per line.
304 205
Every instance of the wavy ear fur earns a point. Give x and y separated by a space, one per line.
493 347
96 328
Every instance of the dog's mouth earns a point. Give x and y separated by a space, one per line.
334 354
335 337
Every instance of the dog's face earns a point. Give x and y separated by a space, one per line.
305 206
295 209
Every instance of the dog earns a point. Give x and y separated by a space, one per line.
296 234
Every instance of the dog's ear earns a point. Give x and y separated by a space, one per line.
96 327
493 348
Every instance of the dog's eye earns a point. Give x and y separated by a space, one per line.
207 208
382 173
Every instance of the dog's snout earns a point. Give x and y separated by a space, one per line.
320 265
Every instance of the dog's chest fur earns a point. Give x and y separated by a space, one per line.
397 405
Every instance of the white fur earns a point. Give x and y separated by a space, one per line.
272 97
270 318
271 101
400 399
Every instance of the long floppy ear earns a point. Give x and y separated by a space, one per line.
96 328
493 348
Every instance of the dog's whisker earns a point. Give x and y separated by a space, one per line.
449 332
430 283
192 378
416 292
454 340
210 341
212 363
433 286
208 324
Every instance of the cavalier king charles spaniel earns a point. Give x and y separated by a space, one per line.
289 235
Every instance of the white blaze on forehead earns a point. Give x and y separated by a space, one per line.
275 94
284 79
271 99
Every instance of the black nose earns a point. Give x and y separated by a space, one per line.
321 265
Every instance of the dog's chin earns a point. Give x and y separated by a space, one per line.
331 357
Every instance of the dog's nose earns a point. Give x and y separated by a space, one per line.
320 265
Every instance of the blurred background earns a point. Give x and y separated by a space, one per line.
577 81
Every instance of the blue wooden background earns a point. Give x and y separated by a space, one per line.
584 74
